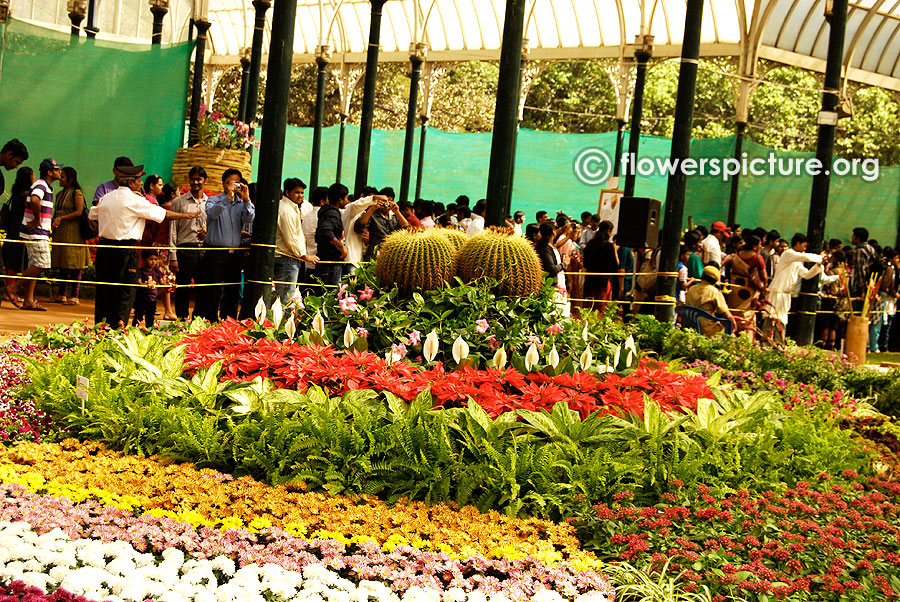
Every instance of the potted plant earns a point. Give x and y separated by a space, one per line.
222 145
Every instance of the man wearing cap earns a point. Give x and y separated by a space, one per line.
712 244
709 298
121 217
107 187
35 229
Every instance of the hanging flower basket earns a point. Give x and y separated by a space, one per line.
214 160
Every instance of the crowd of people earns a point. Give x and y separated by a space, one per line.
154 243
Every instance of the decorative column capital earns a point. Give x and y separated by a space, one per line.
643 47
323 54
202 26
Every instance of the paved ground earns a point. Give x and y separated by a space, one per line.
14 321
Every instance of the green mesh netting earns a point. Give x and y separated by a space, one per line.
86 103
544 178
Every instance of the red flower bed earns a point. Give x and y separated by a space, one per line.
295 366
829 542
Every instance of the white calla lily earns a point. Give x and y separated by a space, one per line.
460 350
500 358
616 356
277 313
629 344
586 359
431 346
290 327
260 310
349 336
532 357
584 333
553 358
318 325
607 368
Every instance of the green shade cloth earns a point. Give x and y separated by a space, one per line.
457 163
86 103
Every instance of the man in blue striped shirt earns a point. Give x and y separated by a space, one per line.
227 215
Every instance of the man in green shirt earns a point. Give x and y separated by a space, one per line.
379 220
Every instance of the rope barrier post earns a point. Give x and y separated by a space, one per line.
681 150
271 157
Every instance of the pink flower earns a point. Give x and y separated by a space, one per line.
362 332
415 337
366 293
342 291
348 304
554 329
481 326
399 350
202 112
494 343
535 340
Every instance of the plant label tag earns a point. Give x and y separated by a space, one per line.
81 389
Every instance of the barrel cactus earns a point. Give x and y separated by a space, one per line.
412 260
457 239
499 254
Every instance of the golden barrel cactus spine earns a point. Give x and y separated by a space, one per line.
415 261
456 238
498 254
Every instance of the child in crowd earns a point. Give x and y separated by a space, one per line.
152 276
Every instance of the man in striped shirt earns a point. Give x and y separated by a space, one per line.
35 230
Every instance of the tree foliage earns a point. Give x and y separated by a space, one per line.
580 97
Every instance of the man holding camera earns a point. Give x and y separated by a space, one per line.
380 219
227 215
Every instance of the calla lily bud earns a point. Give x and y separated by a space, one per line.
554 357
349 336
500 358
260 310
460 350
277 313
318 325
532 357
586 359
431 346
290 328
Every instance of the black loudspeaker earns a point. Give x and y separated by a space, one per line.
639 219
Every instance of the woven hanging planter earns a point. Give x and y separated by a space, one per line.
214 160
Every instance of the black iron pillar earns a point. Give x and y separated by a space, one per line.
642 55
271 156
808 300
245 84
735 181
259 24
323 56
620 142
202 26
506 114
681 150
368 105
91 30
159 8
421 169
340 152
416 58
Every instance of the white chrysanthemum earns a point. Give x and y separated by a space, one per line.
204 595
336 595
222 564
307 596
421 594
173 556
546 595
229 592
477 596
455 594
282 589
35 579
58 573
172 596
113 598
591 597
121 566
90 553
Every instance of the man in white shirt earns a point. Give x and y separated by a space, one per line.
712 244
590 231
121 215
476 223
291 251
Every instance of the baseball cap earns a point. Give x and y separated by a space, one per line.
50 165
721 227
711 272
131 170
